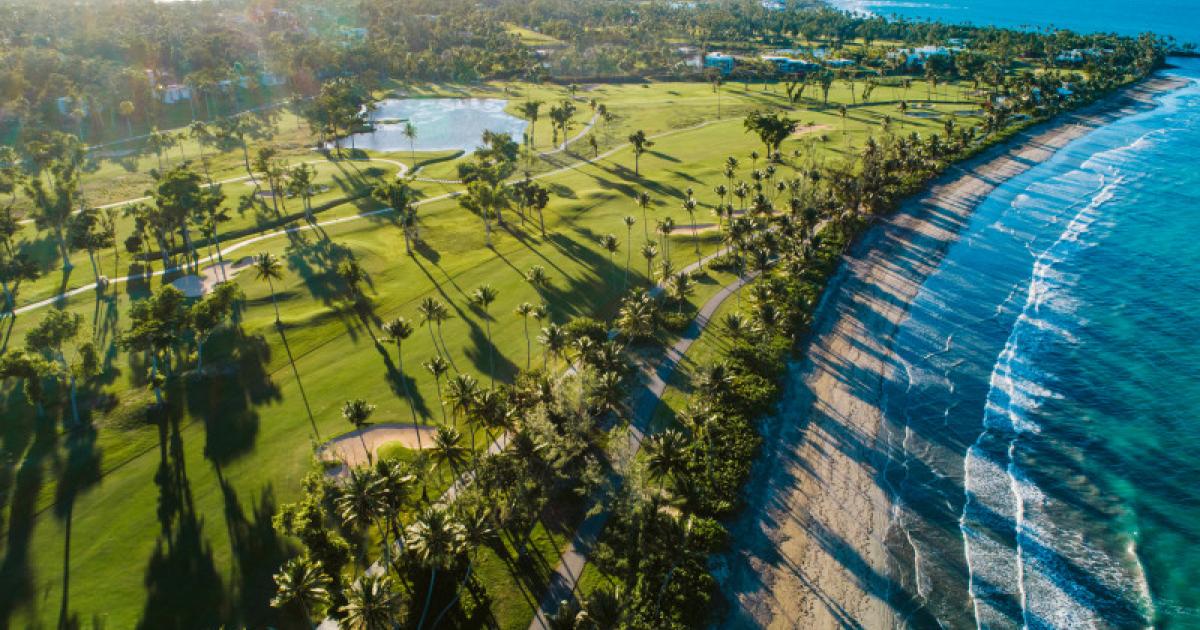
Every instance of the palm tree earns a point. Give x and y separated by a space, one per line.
643 202
665 227
525 309
126 110
433 312
448 448
200 132
640 144
438 367
461 394
610 244
436 540
605 608
371 603
359 501
554 340
300 183
396 195
301 582
483 297
485 199
629 221
665 454
530 109
410 132
397 331
357 412
537 277
649 251
267 267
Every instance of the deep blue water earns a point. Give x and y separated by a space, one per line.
1179 18
1045 422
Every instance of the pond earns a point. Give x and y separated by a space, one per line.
442 124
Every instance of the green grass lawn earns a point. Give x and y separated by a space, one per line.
141 521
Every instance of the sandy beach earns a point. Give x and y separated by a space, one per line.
811 546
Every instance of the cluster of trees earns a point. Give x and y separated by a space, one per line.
95 68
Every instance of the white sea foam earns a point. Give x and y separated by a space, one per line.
1000 502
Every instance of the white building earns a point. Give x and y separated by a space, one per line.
174 93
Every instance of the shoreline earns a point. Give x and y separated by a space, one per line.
814 533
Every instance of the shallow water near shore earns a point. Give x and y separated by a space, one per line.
1041 428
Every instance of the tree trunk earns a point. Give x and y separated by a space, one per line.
428 597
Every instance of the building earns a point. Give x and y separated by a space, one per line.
722 62
917 56
773 5
174 93
788 65
839 63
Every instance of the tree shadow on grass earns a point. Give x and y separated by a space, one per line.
22 483
77 472
184 589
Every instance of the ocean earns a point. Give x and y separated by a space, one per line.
1178 18
1044 431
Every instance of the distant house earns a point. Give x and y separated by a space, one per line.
270 79
174 93
839 63
722 62
773 5
788 65
917 56
1074 55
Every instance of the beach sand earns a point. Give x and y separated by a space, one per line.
810 547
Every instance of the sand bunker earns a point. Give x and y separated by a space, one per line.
348 448
807 129
198 286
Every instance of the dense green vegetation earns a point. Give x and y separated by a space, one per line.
161 452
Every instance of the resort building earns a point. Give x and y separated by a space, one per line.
173 93
788 65
917 56
721 61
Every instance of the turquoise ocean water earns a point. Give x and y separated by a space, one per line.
1177 18
1044 428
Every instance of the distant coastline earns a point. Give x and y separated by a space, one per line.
816 537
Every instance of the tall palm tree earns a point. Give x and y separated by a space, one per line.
610 244
649 252
554 340
665 454
530 110
200 132
483 297
301 582
665 227
461 393
300 179
629 221
537 277
433 312
371 603
448 448
360 501
357 412
640 143
396 195
525 309
435 540
485 199
643 202
267 267
689 206
398 330
410 132
438 367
